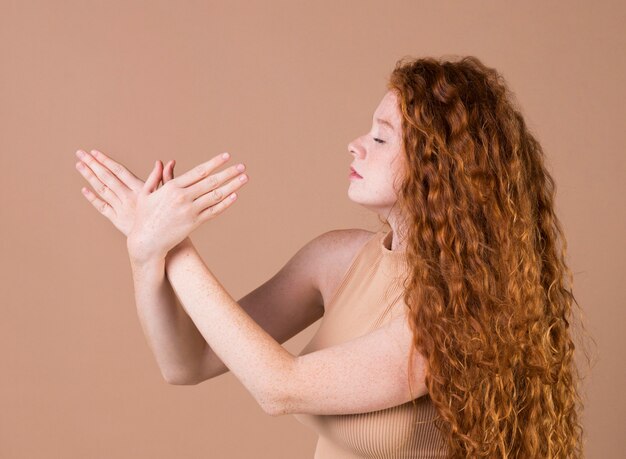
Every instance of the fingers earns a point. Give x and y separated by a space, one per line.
152 182
212 182
117 169
166 175
100 178
100 205
215 198
168 172
217 209
201 171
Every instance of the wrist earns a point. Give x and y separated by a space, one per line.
182 248
140 254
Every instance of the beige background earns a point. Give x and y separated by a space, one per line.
283 86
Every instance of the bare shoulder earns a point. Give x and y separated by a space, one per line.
339 246
335 250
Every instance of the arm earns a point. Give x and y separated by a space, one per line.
364 374
250 352
171 334
283 306
367 373
291 300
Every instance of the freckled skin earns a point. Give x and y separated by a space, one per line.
380 165
208 333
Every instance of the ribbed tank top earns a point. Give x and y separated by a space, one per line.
368 296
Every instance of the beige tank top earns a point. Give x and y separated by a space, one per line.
370 295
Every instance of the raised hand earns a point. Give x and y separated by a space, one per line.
167 215
116 186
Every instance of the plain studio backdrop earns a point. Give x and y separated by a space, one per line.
283 86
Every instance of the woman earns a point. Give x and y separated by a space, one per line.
446 336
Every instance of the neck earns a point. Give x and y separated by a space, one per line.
398 241
396 221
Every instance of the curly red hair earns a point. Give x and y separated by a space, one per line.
489 295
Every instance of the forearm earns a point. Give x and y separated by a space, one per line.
175 341
260 363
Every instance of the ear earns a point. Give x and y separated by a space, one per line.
154 178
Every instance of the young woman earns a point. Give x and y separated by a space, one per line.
446 335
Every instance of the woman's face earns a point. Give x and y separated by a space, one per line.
378 158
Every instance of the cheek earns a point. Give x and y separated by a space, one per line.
399 161
397 176
386 183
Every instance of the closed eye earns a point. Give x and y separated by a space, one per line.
378 140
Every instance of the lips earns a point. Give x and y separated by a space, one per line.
354 171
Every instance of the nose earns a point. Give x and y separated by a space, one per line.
353 148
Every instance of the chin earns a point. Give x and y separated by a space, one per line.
372 204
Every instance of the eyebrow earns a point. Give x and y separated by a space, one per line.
385 123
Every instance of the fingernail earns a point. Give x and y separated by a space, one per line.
225 156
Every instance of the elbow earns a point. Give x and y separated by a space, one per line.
274 408
176 382
179 379
278 400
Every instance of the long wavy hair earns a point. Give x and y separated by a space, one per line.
489 295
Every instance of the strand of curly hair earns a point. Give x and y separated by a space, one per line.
489 295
